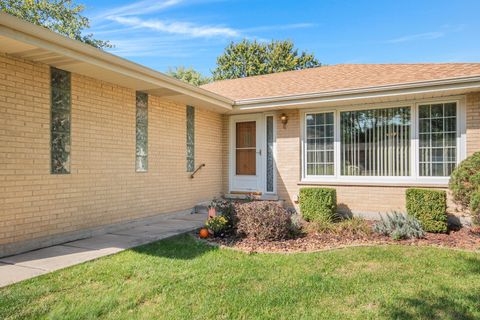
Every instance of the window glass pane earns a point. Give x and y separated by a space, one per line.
438 157
450 124
190 139
450 109
141 163
319 144
376 142
60 115
424 113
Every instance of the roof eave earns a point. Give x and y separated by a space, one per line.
26 32
332 97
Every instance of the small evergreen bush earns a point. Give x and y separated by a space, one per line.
318 204
465 180
429 207
263 220
399 226
475 207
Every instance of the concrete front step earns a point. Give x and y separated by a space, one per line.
201 208
242 196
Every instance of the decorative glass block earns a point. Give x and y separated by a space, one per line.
60 121
141 163
270 160
60 79
190 139
60 99
60 118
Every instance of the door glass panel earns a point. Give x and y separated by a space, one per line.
245 148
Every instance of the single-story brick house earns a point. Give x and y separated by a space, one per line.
90 140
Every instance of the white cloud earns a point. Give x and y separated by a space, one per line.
418 36
140 8
151 47
281 27
176 27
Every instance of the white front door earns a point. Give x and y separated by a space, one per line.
246 153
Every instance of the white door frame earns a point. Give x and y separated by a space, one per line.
248 183
235 182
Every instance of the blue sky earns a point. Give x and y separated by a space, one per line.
165 33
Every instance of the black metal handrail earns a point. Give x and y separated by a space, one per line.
194 172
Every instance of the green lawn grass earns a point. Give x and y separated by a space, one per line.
181 278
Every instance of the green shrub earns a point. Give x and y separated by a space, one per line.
465 180
429 207
399 226
263 220
318 204
475 207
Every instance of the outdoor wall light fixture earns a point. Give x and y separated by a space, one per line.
284 119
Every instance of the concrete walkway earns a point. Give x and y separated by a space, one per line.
31 264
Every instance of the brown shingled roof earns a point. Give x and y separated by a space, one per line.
338 77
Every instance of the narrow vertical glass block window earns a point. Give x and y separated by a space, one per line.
190 139
141 162
375 142
437 139
270 161
319 144
60 118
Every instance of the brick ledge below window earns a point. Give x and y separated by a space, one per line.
373 184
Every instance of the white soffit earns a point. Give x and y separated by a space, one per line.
27 41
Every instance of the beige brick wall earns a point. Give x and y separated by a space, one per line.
288 158
225 151
103 187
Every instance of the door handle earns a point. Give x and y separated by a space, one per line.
259 151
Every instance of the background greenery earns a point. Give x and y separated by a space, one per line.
62 16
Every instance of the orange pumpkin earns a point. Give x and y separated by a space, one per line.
204 233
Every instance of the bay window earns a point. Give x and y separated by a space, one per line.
410 142
375 142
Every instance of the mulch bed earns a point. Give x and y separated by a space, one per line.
465 238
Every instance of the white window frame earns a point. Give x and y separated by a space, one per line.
414 178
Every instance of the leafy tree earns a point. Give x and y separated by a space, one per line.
250 58
62 16
188 75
